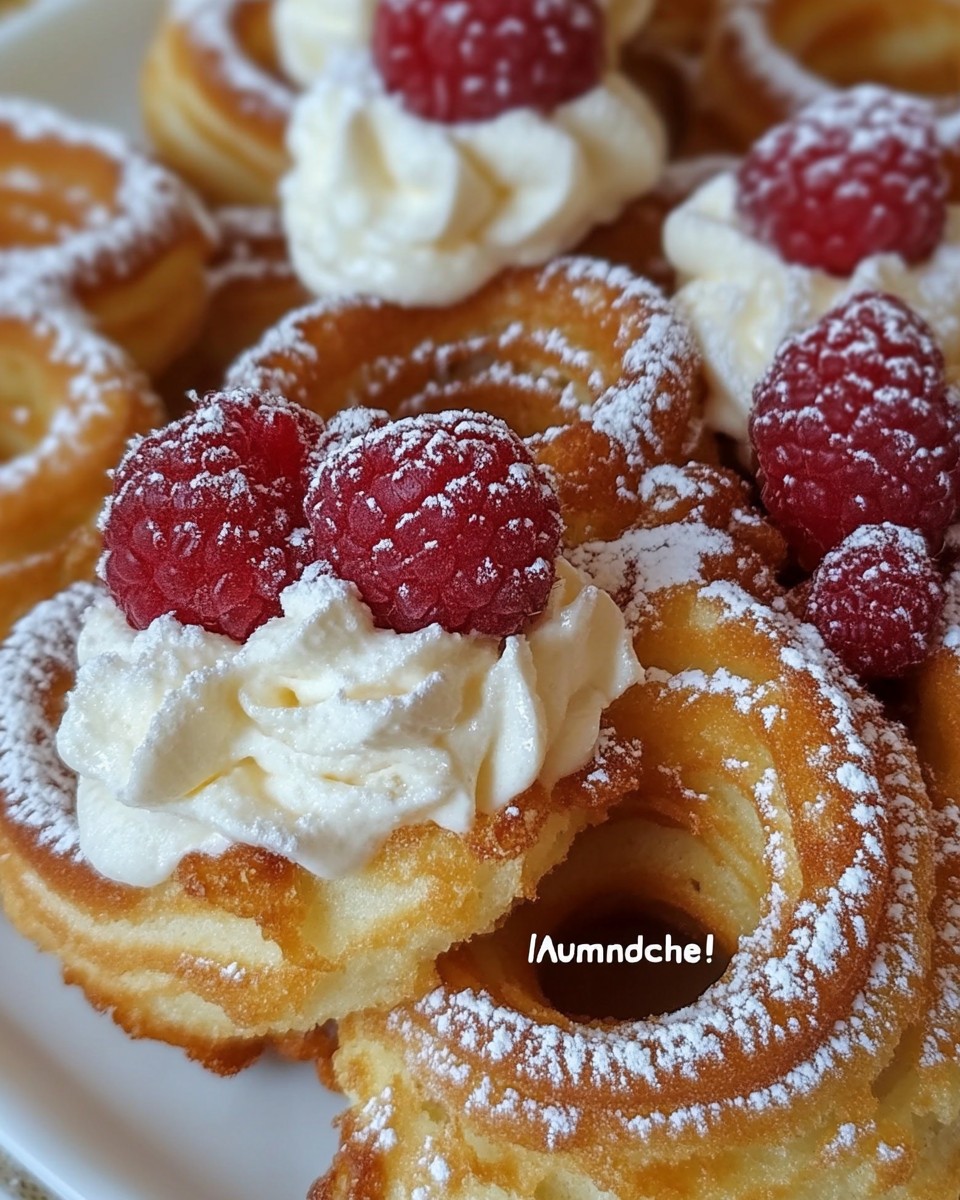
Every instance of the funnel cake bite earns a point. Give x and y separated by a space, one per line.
82 211
285 809
591 365
777 808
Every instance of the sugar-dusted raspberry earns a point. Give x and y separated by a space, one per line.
206 517
876 599
272 438
350 423
852 175
439 518
853 425
469 60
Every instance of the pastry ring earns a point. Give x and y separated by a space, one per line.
590 364
243 950
118 234
214 101
776 808
70 402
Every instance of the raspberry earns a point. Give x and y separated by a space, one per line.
440 518
349 423
272 439
877 599
470 60
853 425
851 175
206 517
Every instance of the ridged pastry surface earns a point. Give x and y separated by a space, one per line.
589 363
777 806
84 213
214 101
766 59
71 400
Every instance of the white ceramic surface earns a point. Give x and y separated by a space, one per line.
94 1115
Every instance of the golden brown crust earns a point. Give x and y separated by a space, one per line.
590 364
241 951
84 213
74 402
777 807
214 101
664 60
935 723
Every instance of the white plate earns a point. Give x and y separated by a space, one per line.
94 1115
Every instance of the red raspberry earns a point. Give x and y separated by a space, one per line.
877 599
853 425
469 60
348 424
852 175
206 517
439 518
271 438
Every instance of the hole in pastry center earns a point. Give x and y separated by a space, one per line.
622 991
912 47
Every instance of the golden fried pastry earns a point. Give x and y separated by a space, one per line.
635 239
769 58
242 949
252 285
214 101
936 712
779 811
590 364
70 402
121 236
698 525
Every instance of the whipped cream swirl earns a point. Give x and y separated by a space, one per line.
382 202
307 31
743 300
322 735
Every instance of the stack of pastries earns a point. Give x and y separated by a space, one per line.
490 481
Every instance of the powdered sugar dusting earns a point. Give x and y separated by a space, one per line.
147 206
252 244
212 27
696 527
780 73
460 1037
942 1031
36 789
53 326
950 633
639 405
